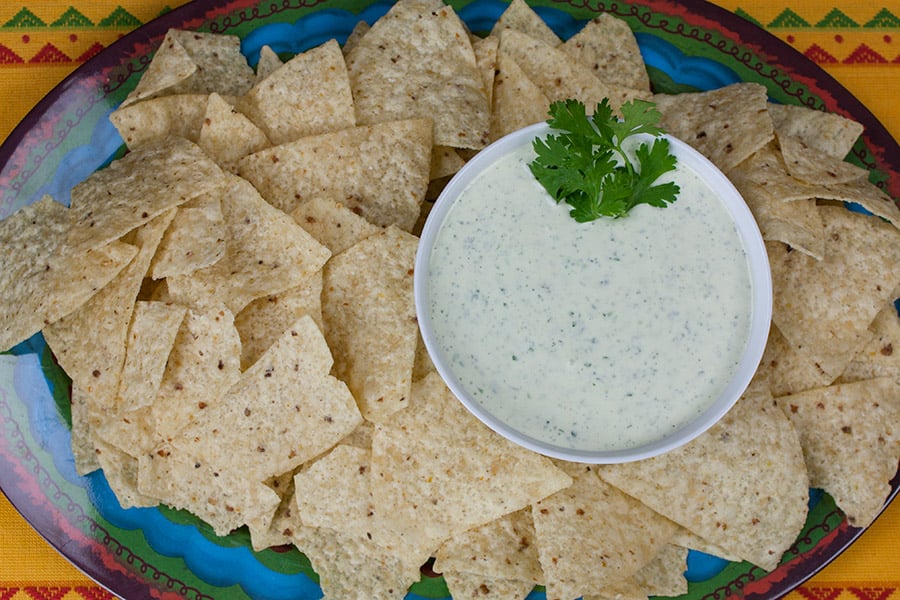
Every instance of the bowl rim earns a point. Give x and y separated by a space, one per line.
759 322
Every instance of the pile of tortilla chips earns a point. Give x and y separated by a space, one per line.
233 303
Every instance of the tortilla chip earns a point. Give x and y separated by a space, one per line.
177 115
283 411
501 549
307 95
42 279
284 522
827 132
814 166
423 364
195 238
419 487
692 541
592 519
881 356
90 342
227 135
445 161
809 308
558 76
263 321
221 496
742 485
866 195
370 320
203 364
766 170
171 64
486 60
339 166
796 223
468 586
522 17
267 253
726 125
131 432
135 189
151 336
268 63
221 68
332 224
356 34
335 492
121 472
518 101
84 420
851 442
417 61
790 368
352 567
664 575
607 45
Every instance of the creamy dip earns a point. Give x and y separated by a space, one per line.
591 336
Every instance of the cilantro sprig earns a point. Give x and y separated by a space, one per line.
585 164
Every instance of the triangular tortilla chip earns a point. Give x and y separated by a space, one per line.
227 135
790 368
558 76
151 336
90 342
505 548
726 125
518 101
851 442
263 321
341 166
307 95
828 132
203 364
195 238
881 356
335 492
417 61
221 68
159 175
522 17
283 411
170 65
351 567
268 62
742 485
593 519
814 166
468 586
42 279
607 45
176 115
418 485
267 253
334 225
221 496
810 309
796 223
370 324
486 59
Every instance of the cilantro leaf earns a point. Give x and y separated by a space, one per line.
585 163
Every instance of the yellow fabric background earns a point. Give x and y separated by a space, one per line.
870 570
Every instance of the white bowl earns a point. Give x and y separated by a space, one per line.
732 382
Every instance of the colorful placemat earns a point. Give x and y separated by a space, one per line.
41 42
